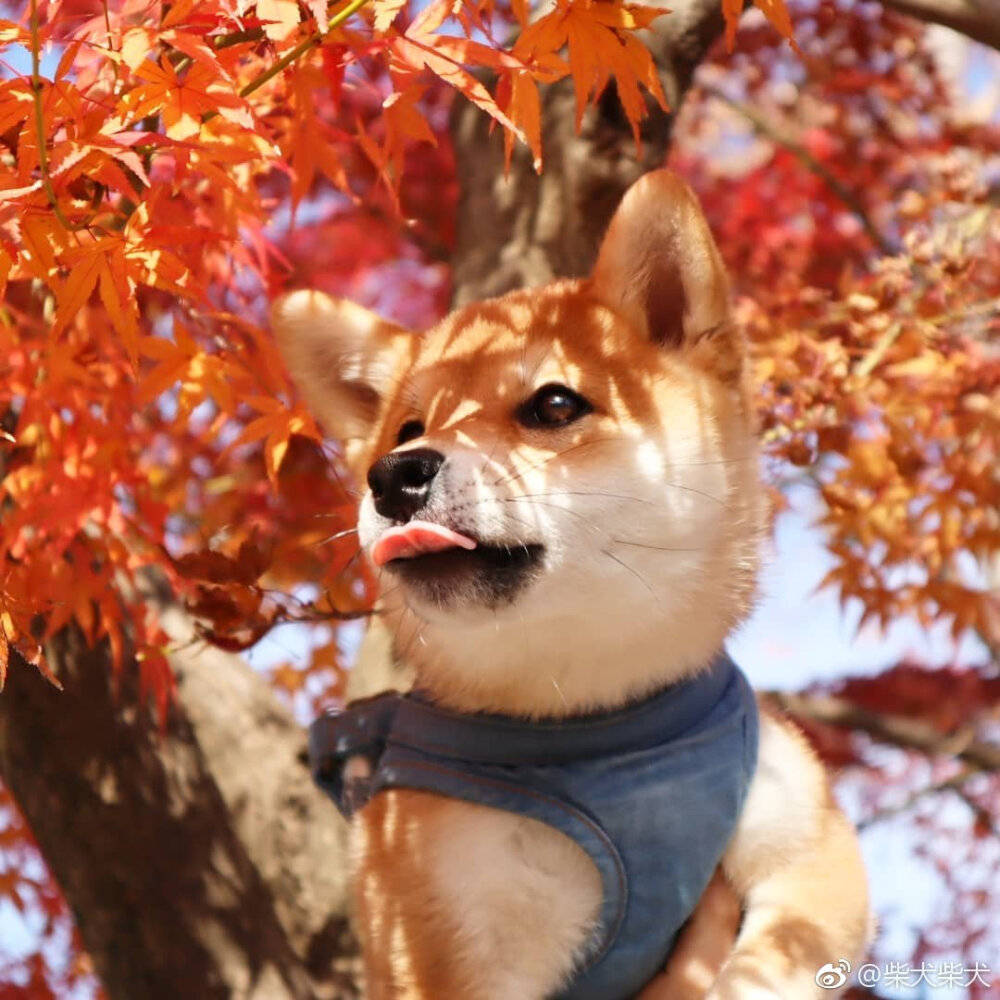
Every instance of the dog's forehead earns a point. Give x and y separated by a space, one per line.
509 342
483 360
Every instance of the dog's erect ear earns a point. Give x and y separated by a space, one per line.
659 265
342 357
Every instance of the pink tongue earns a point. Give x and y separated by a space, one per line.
417 538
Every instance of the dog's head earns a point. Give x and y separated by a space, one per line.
560 486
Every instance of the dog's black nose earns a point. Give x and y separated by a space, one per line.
401 481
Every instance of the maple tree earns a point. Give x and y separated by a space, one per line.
167 168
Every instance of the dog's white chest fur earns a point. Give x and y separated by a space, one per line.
514 899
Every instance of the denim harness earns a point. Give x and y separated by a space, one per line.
651 792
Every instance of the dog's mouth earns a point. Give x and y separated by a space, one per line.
417 540
446 567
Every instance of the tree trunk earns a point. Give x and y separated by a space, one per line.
526 229
202 862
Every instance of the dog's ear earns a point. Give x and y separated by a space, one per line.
343 358
659 265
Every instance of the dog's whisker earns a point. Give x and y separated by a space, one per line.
635 573
713 461
554 506
381 606
701 493
417 635
586 444
585 493
657 548
335 458
489 457
559 691
336 536
399 625
620 496
350 562
512 517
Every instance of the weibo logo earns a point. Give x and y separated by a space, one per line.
831 977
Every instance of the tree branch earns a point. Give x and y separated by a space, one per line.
280 65
43 155
977 19
766 128
897 730
952 784
304 46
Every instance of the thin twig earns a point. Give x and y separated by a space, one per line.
871 360
767 128
237 38
219 42
304 46
945 785
293 54
43 155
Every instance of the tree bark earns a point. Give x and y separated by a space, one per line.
525 229
978 19
199 863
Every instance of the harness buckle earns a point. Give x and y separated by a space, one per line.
345 747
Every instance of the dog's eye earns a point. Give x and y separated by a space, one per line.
410 430
553 406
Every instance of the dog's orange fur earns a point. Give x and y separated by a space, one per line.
461 901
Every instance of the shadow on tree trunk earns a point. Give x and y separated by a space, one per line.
200 862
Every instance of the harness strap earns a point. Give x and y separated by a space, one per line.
368 726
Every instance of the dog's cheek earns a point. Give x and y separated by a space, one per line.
369 522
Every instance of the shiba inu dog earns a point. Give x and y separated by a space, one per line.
562 497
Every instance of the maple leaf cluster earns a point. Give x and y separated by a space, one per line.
863 233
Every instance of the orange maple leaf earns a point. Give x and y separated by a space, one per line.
276 425
517 94
445 58
774 10
600 44
183 102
